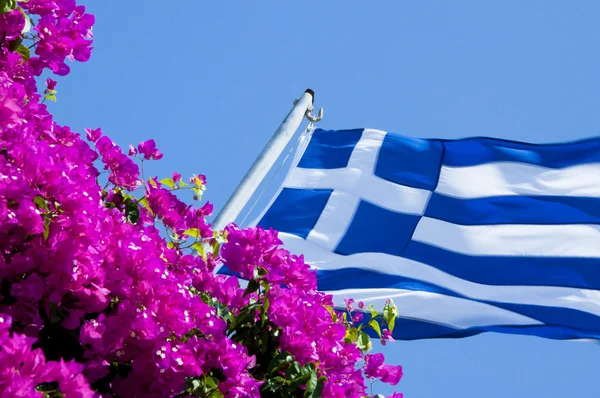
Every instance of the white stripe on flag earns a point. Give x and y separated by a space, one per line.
435 308
505 178
573 240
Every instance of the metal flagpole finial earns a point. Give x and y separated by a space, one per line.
309 115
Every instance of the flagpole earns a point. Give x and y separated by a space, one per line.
267 158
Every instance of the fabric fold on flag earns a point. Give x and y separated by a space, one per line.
467 236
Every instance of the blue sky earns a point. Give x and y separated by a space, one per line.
210 81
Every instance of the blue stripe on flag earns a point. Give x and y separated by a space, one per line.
374 229
296 211
475 151
577 272
515 210
359 278
409 161
329 151
413 329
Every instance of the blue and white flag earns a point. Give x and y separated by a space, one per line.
466 236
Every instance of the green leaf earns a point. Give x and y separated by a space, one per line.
265 285
144 202
372 310
14 44
311 385
168 182
363 342
50 387
7 5
198 192
211 382
273 384
391 324
215 249
390 312
292 371
196 384
264 316
252 287
283 358
40 202
259 272
132 211
216 394
46 231
171 245
198 182
199 247
314 387
242 318
51 95
24 51
27 26
375 325
193 232
220 236
306 373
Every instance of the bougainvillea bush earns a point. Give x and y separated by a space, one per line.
107 282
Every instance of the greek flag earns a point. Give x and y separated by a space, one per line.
467 236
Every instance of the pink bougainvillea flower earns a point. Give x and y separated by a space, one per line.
92 134
109 284
149 151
